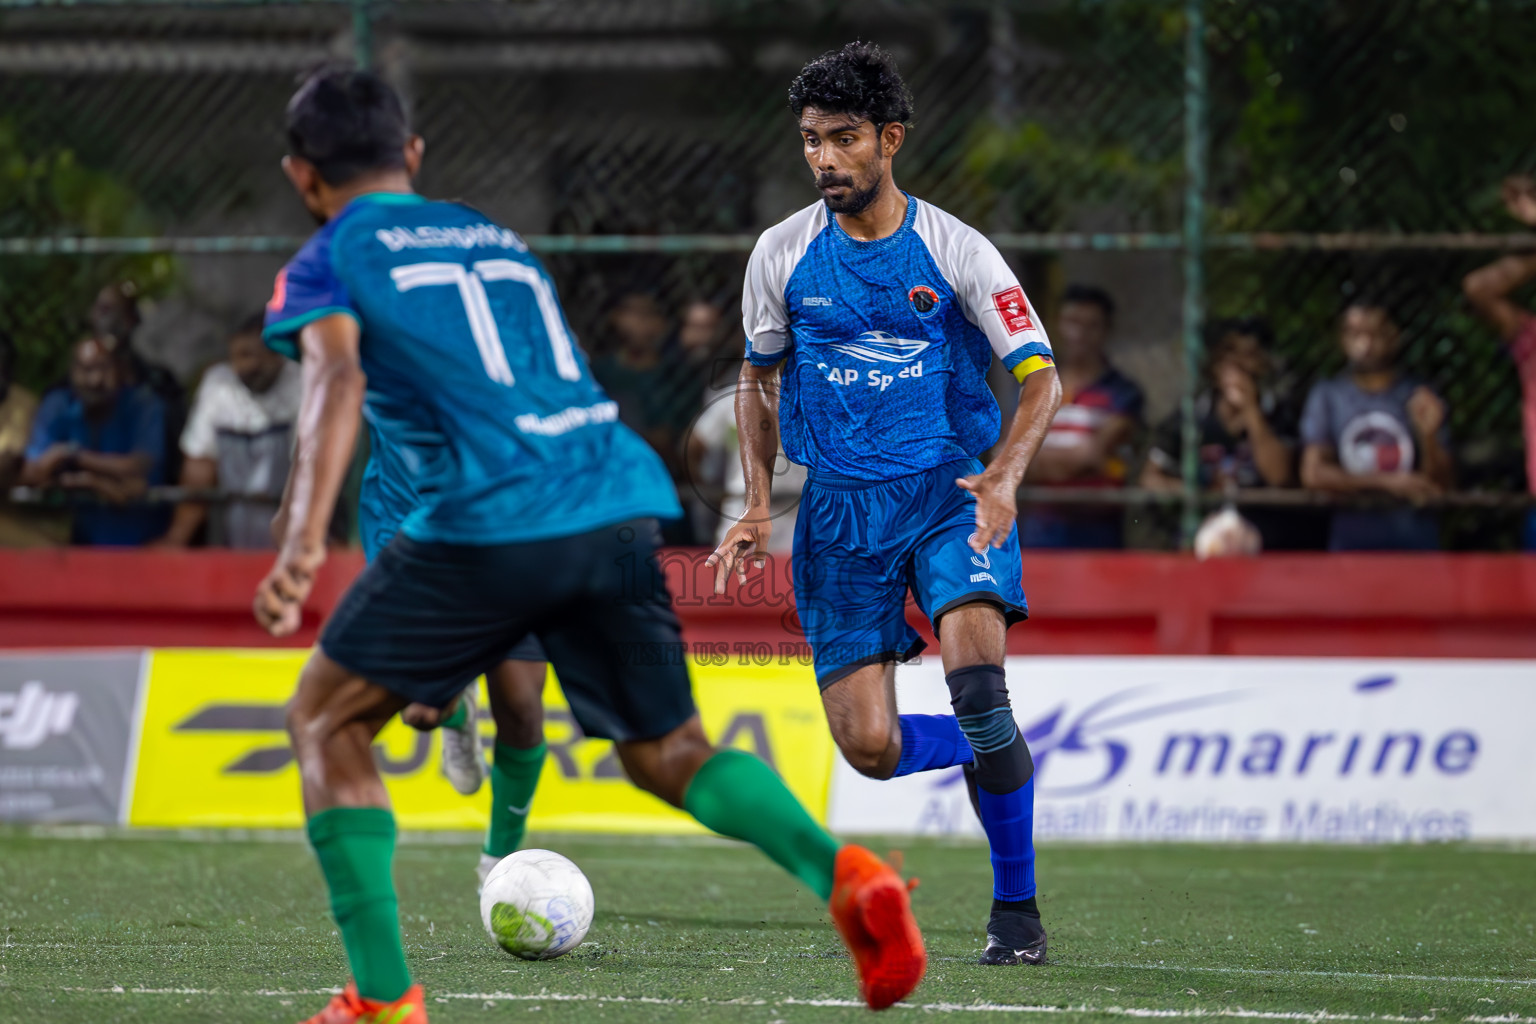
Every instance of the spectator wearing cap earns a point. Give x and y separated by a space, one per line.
105 443
1088 444
239 437
1247 430
1372 429
1489 289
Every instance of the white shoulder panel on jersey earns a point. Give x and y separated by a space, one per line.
989 293
764 317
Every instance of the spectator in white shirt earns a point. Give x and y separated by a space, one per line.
239 437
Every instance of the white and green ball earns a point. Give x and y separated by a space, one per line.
536 904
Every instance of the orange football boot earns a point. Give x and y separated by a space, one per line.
874 916
351 1008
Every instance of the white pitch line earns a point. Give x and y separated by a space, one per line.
1138 1012
1316 974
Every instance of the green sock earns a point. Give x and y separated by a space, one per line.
739 796
355 846
514 777
457 718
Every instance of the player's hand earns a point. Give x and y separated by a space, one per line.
280 597
1426 410
745 542
997 507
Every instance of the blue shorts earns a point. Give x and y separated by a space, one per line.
861 545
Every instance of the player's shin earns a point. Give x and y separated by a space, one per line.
514 777
929 742
355 847
1004 774
737 795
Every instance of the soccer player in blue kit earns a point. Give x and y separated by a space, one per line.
871 319
538 514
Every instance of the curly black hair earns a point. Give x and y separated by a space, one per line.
860 79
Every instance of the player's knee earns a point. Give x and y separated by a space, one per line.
979 695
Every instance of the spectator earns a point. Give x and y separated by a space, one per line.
114 318
1371 429
1489 289
1089 443
239 437
103 441
1247 433
17 407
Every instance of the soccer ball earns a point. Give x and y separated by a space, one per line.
536 904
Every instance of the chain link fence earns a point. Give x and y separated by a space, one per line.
641 146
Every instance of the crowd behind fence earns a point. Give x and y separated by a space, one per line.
1230 177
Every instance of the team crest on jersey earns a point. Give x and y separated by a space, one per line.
924 300
880 347
1014 309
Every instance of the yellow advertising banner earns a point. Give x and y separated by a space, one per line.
213 751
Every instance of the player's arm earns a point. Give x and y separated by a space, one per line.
996 488
757 427
327 431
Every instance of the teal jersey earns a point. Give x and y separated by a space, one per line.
487 425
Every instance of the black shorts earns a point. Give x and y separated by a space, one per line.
424 619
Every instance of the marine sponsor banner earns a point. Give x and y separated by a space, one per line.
66 735
1287 749
214 751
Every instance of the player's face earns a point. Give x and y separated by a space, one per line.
1369 339
848 158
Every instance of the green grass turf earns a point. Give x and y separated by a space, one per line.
702 930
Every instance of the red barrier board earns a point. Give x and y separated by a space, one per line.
1111 603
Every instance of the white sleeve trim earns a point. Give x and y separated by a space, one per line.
764 315
989 293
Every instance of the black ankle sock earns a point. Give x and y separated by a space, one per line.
1015 923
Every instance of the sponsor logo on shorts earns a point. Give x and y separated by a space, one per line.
977 577
1014 309
815 300
981 561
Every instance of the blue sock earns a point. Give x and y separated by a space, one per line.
1009 820
929 742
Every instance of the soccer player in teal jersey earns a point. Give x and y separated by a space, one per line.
871 318
539 514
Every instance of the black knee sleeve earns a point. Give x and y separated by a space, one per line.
979 695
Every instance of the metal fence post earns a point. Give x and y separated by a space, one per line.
362 33
1195 97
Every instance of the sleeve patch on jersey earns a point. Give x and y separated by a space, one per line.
1030 365
279 291
1014 309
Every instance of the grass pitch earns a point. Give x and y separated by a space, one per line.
166 930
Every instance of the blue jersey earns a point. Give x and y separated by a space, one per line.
886 344
481 408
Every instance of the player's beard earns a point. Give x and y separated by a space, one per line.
853 202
